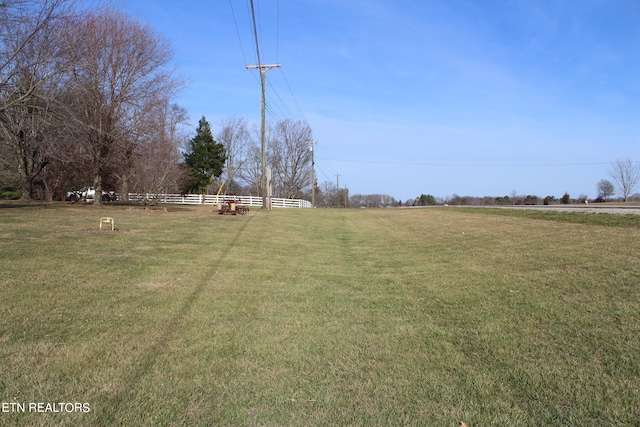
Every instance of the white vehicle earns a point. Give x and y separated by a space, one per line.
89 193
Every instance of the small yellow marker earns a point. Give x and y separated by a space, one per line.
107 220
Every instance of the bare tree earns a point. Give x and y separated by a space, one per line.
155 160
626 174
251 173
26 127
27 43
30 62
8 172
235 137
118 79
327 194
372 200
290 157
605 189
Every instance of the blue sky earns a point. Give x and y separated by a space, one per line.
439 97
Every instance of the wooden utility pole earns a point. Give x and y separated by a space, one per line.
337 190
313 178
269 187
263 69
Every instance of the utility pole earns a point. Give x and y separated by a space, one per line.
337 190
346 196
269 187
263 69
313 179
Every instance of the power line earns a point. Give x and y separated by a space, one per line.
251 31
472 164
284 105
255 31
278 31
291 92
235 23
273 113
322 164
275 107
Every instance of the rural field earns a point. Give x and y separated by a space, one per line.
436 316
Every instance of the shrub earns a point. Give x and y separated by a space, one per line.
506 200
10 194
425 200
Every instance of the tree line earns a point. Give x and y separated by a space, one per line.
87 98
625 174
288 155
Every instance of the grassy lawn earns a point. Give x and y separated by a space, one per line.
318 317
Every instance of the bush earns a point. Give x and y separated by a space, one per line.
10 194
506 200
565 199
425 200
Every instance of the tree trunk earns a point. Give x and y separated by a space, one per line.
97 185
124 188
48 192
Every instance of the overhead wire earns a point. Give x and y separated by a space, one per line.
235 23
322 163
260 28
278 31
491 165
326 176
255 18
273 113
295 100
255 32
248 21
274 92
275 106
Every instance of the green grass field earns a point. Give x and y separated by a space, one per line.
318 317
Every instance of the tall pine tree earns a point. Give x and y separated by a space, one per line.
205 158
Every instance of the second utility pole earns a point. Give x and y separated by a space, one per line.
263 69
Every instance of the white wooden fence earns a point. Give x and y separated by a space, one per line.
199 199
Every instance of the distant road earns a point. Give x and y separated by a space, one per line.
622 209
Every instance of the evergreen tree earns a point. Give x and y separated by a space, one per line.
205 158
425 200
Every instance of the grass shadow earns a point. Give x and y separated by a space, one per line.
142 365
